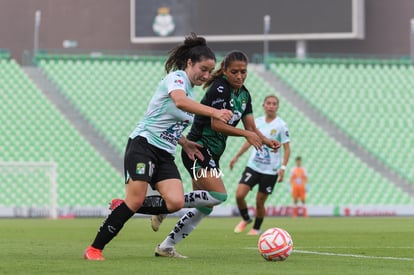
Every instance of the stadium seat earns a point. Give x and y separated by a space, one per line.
368 99
34 131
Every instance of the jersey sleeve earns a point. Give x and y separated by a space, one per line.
175 81
216 96
249 108
284 134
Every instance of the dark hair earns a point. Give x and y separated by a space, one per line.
298 158
194 48
228 59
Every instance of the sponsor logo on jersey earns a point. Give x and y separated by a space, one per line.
220 89
236 117
179 81
217 101
173 133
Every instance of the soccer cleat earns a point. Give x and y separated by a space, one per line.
115 203
241 226
168 252
156 221
254 232
93 254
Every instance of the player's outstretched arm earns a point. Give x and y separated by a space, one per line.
186 104
230 130
249 124
242 150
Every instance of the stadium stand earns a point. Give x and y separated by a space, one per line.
368 99
105 90
33 130
113 93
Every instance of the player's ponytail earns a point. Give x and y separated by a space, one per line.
228 59
194 48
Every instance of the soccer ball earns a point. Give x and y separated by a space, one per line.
275 244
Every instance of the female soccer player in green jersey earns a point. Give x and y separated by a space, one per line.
226 90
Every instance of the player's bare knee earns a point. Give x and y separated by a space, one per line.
134 204
260 204
240 196
175 204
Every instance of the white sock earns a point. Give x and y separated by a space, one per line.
200 198
183 228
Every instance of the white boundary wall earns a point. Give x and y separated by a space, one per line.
223 211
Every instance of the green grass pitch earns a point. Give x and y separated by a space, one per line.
321 246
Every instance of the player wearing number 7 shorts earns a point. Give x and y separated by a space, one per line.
265 166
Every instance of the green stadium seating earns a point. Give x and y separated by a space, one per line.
369 100
33 130
113 95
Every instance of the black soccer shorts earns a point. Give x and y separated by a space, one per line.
145 162
266 182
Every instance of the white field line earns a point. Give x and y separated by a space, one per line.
348 255
352 255
355 247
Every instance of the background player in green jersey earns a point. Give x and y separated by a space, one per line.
149 155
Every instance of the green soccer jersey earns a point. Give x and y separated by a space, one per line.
220 95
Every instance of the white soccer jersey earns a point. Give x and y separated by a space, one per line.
266 161
163 123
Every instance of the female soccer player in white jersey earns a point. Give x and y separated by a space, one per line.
264 167
149 154
226 90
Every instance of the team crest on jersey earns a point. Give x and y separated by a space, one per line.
273 132
220 89
243 105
